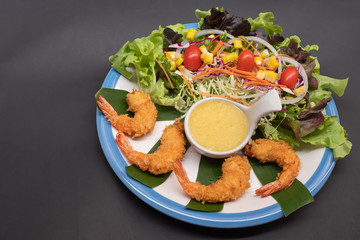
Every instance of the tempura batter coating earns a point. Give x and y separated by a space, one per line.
232 184
266 150
172 147
145 114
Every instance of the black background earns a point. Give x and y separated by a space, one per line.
55 182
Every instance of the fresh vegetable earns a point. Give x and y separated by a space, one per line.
289 77
246 61
192 57
239 59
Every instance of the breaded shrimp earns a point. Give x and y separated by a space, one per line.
172 147
232 184
266 150
145 114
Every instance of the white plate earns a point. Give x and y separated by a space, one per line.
249 210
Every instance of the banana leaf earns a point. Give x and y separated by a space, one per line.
209 172
290 199
117 99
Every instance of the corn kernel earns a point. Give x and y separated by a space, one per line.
203 49
202 56
299 91
238 44
179 61
288 98
261 74
271 76
273 63
312 104
170 55
264 53
181 67
191 34
173 65
230 57
209 58
211 36
258 60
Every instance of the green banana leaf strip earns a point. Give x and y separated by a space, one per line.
209 172
290 199
147 178
117 99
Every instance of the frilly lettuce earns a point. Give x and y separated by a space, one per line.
139 55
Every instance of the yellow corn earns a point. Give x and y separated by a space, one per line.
179 61
238 44
312 104
261 74
203 49
264 53
273 63
191 34
202 56
258 60
230 57
288 98
170 55
211 36
299 91
173 65
181 67
209 58
271 76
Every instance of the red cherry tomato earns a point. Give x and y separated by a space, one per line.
289 77
246 61
192 57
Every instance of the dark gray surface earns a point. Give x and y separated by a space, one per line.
55 182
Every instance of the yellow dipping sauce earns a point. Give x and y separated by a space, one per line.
218 125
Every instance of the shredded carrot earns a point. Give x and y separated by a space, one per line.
217 47
230 98
167 76
285 56
168 55
212 41
257 52
187 82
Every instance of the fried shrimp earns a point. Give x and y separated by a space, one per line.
144 119
172 147
266 150
232 184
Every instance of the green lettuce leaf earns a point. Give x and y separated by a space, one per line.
325 84
265 20
332 135
140 55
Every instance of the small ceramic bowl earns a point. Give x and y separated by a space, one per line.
267 104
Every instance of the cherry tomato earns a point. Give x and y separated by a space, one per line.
246 61
289 77
192 57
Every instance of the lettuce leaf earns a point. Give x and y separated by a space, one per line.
331 134
325 84
265 20
139 55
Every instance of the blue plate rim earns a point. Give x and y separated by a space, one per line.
178 211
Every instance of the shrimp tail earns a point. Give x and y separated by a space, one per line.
180 173
123 143
188 187
105 107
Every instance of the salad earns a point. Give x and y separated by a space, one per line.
239 59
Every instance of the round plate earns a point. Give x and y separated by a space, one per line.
249 210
